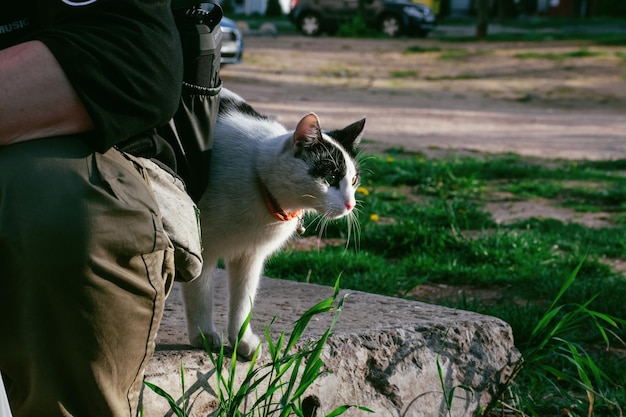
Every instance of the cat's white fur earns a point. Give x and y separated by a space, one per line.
236 223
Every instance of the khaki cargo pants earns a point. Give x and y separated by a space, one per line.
84 271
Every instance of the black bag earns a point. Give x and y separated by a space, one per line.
190 132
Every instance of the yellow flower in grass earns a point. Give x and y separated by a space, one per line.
363 190
390 159
374 217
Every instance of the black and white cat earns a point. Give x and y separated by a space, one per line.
262 179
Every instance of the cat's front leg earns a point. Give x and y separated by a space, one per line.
198 296
244 273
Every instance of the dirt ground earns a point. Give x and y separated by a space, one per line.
441 97
466 96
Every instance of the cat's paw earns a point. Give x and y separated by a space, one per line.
248 345
213 338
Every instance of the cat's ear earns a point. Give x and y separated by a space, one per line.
350 136
308 131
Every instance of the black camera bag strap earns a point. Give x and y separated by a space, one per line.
190 132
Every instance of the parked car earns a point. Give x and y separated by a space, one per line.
392 17
232 42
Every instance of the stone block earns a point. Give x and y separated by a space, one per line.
385 353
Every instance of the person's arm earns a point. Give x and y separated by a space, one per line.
36 98
121 59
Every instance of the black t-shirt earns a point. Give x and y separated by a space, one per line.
122 57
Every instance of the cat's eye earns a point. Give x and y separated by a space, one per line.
331 179
355 180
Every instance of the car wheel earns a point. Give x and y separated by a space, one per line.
310 24
391 25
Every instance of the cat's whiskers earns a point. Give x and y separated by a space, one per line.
354 228
361 157
349 227
315 222
322 223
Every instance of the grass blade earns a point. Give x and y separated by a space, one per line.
342 409
172 402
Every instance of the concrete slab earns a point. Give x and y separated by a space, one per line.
383 354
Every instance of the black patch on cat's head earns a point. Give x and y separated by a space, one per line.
326 159
232 105
350 136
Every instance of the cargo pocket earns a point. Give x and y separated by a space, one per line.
130 221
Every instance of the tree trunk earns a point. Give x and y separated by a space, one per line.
361 8
483 18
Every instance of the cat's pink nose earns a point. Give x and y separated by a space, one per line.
349 206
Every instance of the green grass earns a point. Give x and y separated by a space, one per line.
422 221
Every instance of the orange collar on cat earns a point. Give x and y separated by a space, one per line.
274 207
